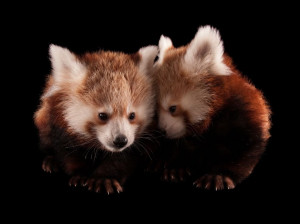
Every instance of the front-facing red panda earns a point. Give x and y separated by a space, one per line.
218 121
94 113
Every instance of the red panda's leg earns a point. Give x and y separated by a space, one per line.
232 155
176 168
234 144
110 175
172 161
227 174
70 165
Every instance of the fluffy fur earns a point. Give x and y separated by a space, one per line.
221 123
81 88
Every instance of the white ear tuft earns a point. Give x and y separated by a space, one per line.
65 66
164 44
148 55
205 53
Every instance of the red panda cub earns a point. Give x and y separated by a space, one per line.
217 121
95 112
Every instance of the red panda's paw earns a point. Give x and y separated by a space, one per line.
77 180
107 185
214 182
176 175
49 164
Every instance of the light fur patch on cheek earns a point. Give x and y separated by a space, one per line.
77 115
174 126
104 136
196 103
144 113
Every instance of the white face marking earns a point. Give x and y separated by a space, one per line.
196 104
174 126
115 127
77 114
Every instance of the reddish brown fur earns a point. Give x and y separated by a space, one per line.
230 141
112 78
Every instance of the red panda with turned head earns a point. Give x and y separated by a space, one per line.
216 119
94 115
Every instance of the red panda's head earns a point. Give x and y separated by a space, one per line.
181 75
106 96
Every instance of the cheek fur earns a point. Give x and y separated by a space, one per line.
78 115
173 125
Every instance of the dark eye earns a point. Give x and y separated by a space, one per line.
172 109
103 116
131 116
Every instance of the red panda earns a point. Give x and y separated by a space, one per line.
218 121
95 107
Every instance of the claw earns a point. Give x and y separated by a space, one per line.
188 171
49 164
219 183
229 183
166 175
108 186
117 185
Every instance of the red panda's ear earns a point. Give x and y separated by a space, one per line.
147 56
65 66
164 44
205 53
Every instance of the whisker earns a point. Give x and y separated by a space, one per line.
146 149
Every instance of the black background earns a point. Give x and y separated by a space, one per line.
254 36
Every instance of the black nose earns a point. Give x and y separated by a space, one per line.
120 141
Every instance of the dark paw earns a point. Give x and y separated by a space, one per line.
49 164
214 182
175 175
107 185
77 180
